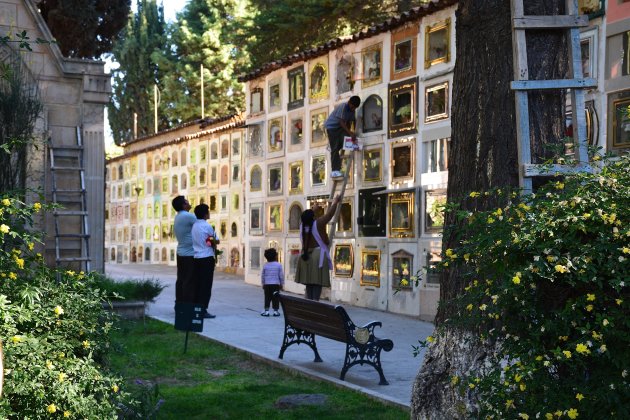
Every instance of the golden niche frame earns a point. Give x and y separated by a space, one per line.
437 43
344 260
318 131
318 83
403 108
436 102
621 123
276 135
371 267
373 164
296 178
403 160
401 215
372 60
274 176
402 270
274 217
318 170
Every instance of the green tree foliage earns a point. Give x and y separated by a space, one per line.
280 28
204 33
133 82
85 28
547 281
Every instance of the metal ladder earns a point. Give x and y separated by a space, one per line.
335 182
72 248
522 85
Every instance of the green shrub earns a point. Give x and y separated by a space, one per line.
54 331
548 283
144 290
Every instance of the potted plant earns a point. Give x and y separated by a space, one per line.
129 298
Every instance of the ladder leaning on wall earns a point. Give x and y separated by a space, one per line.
522 85
71 217
343 182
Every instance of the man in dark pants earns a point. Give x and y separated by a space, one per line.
337 127
185 286
204 240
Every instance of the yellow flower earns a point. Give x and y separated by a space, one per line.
558 413
605 322
483 307
37 206
449 252
62 376
86 344
31 245
455 380
551 258
51 408
619 301
567 354
4 228
509 404
474 194
517 378
596 336
430 339
539 358
466 257
559 185
469 307
563 338
590 297
579 397
20 263
471 386
516 280
522 387
12 275
603 348
66 414
582 349
572 413
561 268
589 308
49 365
70 272
16 339
404 282
115 388
548 416
490 220
6 202
625 250
58 310
523 416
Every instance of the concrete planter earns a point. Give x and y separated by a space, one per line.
127 309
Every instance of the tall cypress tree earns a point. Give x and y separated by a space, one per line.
142 40
204 34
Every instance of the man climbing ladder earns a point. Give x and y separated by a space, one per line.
338 126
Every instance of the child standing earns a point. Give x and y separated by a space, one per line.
272 279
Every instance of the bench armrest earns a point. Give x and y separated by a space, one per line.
371 325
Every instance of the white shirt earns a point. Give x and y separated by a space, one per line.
201 230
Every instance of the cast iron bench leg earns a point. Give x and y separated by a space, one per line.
296 336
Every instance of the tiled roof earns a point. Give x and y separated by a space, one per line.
412 15
216 125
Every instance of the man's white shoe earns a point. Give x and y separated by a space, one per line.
336 174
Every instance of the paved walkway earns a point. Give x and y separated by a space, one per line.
239 324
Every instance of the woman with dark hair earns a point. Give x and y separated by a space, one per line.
312 269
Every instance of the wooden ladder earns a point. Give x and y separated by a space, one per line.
522 85
335 182
72 235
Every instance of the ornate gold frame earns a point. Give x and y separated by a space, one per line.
276 122
407 198
279 218
315 113
446 24
430 90
322 93
325 170
396 284
410 143
343 270
374 272
411 52
619 105
404 127
367 81
300 188
278 191
380 164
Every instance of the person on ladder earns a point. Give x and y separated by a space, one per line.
337 127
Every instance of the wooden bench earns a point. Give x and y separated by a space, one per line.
304 319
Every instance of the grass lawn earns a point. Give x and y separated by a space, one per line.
212 381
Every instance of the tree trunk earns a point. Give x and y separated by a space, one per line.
484 156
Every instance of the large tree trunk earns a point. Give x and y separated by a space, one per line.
484 156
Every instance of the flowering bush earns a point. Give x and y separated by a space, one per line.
53 328
547 287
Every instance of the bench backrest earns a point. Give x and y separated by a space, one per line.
317 317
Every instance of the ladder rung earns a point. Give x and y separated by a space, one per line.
77 191
70 213
68 147
73 259
66 168
553 84
550 22
72 235
532 169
